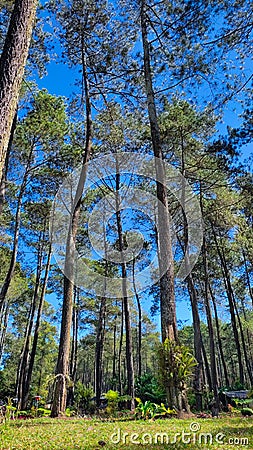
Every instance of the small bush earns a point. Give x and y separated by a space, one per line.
43 412
149 410
148 388
113 400
247 412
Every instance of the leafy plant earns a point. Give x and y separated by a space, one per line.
165 411
150 410
70 412
240 403
148 388
247 412
113 400
10 410
43 412
145 410
176 364
83 396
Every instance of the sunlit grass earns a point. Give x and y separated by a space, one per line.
84 434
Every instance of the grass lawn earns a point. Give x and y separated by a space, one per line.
83 434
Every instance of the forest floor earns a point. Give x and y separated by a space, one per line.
84 434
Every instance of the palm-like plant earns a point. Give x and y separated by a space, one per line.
176 364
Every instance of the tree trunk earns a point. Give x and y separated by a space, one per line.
74 346
139 339
224 365
120 348
210 330
207 367
4 323
12 66
114 357
28 379
11 268
167 305
99 350
198 374
247 276
62 368
128 331
6 164
23 364
244 347
228 288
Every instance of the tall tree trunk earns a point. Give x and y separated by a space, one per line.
62 367
128 331
210 330
230 293
114 356
74 346
6 164
4 323
167 304
23 364
11 268
120 349
198 374
228 288
247 276
99 350
249 339
246 354
224 365
27 381
12 66
139 339
207 367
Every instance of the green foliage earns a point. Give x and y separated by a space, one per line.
82 396
250 393
243 402
112 396
43 412
176 363
10 410
247 412
70 412
113 400
150 410
148 388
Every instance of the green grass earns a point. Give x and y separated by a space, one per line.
84 434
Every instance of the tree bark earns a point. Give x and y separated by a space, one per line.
6 164
23 364
4 323
139 338
128 331
99 350
228 289
62 368
167 303
12 66
198 373
120 349
224 365
210 330
11 268
28 378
